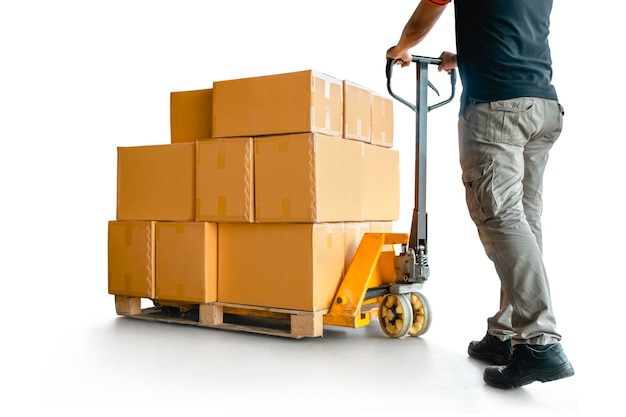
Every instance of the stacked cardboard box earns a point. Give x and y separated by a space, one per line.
262 196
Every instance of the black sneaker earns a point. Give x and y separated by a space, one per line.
528 364
491 349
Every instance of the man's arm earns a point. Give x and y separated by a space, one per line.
419 25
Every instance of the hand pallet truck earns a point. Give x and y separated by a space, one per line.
377 278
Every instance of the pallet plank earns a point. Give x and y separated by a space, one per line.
251 319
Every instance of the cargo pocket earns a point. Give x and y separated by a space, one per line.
508 121
478 181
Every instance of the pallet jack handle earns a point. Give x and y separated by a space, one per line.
418 236
423 63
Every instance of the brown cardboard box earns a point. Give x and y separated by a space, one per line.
353 233
304 101
382 227
382 120
381 183
225 180
293 266
191 115
307 177
156 182
186 261
131 258
357 113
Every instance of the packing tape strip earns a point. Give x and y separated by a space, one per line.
222 205
149 233
221 158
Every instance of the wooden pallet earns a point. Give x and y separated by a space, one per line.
252 319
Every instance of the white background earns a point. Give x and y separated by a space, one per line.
80 78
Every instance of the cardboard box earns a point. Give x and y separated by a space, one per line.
307 177
225 180
186 261
382 227
353 233
131 259
382 120
357 112
191 115
292 266
304 101
381 183
156 182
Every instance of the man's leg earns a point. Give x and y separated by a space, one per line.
492 140
535 161
499 142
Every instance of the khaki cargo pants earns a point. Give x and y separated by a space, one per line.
503 149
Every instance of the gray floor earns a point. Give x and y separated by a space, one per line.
65 350
128 366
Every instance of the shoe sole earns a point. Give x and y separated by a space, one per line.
489 357
562 372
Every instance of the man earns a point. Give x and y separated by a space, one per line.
509 119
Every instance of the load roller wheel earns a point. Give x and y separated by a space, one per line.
422 316
395 315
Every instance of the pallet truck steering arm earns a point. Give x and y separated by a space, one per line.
381 280
418 237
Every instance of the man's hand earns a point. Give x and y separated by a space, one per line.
448 62
399 56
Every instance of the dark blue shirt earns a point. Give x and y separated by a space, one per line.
503 50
